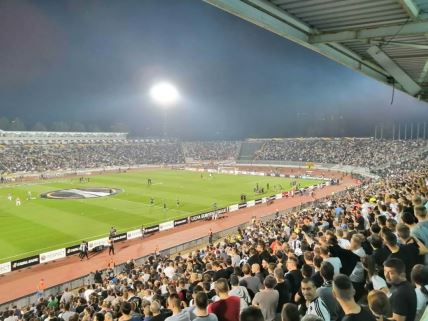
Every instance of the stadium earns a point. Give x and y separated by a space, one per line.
171 215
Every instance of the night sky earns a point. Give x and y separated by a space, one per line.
94 62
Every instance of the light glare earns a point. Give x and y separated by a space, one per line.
164 93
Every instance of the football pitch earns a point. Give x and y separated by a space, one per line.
40 224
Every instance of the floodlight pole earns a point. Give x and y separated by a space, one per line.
164 123
425 130
405 131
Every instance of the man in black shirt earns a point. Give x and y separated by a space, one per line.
408 254
254 257
219 271
283 289
344 292
380 253
347 257
155 308
293 277
403 295
263 253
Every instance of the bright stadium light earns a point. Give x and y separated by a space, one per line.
165 94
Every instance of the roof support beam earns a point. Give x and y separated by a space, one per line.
411 8
281 14
424 72
394 70
363 34
261 19
399 44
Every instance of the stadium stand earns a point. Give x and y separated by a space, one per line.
248 149
371 238
382 157
212 150
357 152
44 157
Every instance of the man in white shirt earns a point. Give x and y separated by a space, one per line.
88 293
169 270
314 303
343 243
66 296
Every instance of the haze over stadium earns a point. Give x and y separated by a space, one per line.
225 160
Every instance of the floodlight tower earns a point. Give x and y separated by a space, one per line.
165 95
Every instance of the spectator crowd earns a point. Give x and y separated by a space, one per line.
382 157
368 153
212 150
50 157
358 255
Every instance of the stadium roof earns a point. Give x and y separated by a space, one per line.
384 39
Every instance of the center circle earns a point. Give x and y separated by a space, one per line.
81 193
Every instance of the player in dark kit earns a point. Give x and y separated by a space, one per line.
149 181
110 246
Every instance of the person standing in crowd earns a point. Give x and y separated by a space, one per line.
283 289
293 276
240 291
155 308
403 295
314 304
267 299
344 292
290 312
379 305
201 312
174 304
251 314
227 307
419 277
421 229
325 292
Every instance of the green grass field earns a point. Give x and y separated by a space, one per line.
41 225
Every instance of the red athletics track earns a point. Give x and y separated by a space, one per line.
23 282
